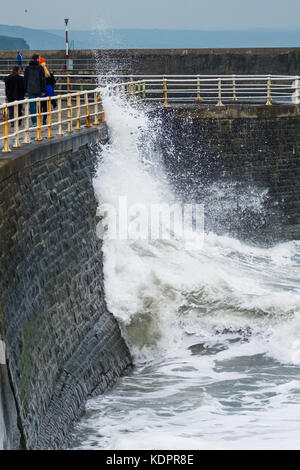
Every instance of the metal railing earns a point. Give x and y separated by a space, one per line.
67 83
41 120
193 88
224 89
84 108
55 64
72 112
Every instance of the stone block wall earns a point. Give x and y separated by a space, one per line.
251 61
62 343
242 162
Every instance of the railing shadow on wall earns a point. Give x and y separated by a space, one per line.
82 106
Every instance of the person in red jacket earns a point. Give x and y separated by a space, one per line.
50 82
14 90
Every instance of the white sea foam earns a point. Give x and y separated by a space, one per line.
214 329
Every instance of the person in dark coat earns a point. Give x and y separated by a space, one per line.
14 90
35 83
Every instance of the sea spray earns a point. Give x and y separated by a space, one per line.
214 327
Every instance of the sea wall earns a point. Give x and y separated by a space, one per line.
62 344
181 61
241 161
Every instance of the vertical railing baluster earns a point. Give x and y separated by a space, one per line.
96 117
16 126
6 147
70 123
27 123
269 92
129 88
39 121
234 97
296 99
198 98
59 116
49 118
219 103
102 112
88 115
165 93
78 103
139 89
68 84
144 94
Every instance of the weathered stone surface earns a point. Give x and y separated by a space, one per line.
241 161
10 437
62 343
251 61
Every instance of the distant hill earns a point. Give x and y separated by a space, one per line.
35 38
181 39
152 38
8 43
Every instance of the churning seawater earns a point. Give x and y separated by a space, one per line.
213 328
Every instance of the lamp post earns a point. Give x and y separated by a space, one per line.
67 41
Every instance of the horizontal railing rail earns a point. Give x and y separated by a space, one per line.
55 64
69 112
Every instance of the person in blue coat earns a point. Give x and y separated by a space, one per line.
20 60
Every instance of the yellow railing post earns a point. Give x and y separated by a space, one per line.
102 112
96 111
139 89
59 116
39 121
6 148
27 125
165 93
234 97
49 118
68 84
69 104
88 115
144 94
16 121
129 88
199 99
296 93
219 103
78 102
269 92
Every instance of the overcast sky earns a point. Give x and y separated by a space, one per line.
171 14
